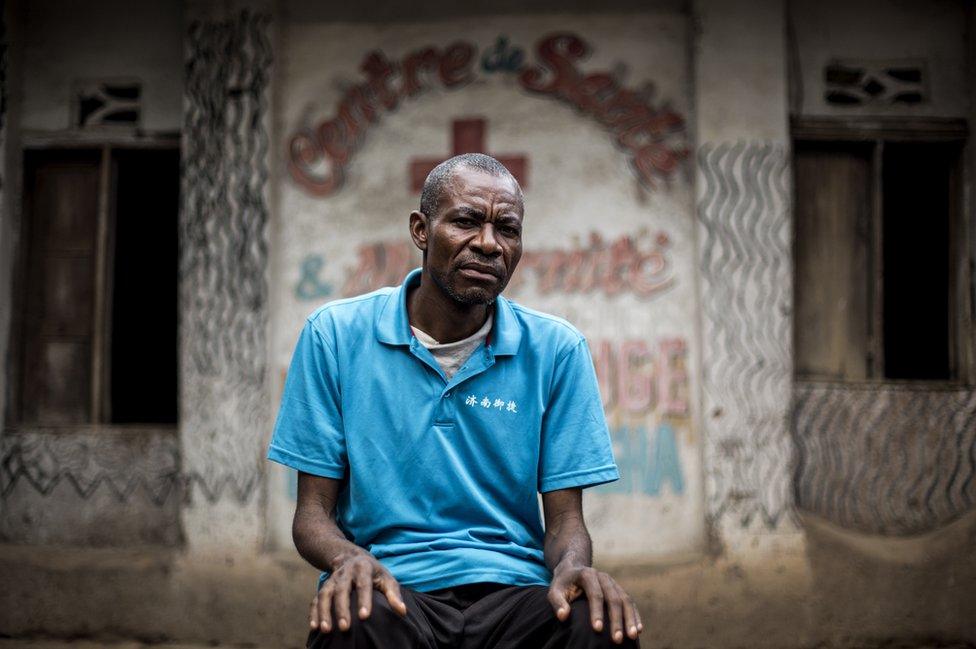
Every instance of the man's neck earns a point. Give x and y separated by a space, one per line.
441 317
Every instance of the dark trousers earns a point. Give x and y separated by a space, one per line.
475 616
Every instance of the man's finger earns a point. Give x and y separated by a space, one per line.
614 602
313 613
325 608
364 592
557 598
630 617
341 603
640 625
391 588
594 595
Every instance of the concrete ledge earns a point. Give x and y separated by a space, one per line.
838 589
870 586
153 595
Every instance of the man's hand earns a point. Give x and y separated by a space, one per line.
569 554
569 582
319 540
362 572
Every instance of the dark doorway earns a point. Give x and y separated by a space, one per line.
917 189
96 320
144 304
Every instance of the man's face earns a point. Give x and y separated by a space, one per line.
474 242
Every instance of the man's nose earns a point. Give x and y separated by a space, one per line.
485 242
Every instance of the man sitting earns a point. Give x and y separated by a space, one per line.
424 420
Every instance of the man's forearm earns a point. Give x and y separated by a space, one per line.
567 542
319 540
569 554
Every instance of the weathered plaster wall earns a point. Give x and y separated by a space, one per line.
9 175
744 256
740 71
70 41
608 247
892 459
891 33
224 408
969 190
101 487
223 111
9 171
82 485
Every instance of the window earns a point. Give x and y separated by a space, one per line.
880 265
97 284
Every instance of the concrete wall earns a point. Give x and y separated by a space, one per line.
10 172
99 488
744 251
224 259
885 471
67 41
850 436
881 33
83 485
609 234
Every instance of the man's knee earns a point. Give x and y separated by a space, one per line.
582 633
384 627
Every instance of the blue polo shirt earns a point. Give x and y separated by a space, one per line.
440 479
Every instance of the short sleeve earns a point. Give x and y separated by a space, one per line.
308 434
576 449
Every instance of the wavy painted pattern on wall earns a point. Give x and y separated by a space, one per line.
885 459
745 262
224 253
126 465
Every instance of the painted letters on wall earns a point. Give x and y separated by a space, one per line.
653 136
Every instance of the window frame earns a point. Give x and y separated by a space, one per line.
100 397
962 301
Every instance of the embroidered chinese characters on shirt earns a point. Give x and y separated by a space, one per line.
488 403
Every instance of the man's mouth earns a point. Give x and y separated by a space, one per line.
481 272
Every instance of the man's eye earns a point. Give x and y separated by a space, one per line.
512 232
466 223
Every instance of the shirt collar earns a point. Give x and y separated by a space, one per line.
392 324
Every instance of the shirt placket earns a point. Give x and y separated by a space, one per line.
445 411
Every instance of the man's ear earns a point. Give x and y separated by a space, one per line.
418 229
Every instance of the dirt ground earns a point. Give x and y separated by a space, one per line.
832 591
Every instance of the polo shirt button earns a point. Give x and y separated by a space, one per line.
448 394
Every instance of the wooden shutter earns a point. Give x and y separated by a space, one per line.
62 216
833 185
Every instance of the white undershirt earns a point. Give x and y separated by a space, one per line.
451 356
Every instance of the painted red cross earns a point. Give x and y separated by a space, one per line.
468 137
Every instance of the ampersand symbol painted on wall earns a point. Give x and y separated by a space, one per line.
310 286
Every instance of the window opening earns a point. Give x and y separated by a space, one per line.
108 103
144 305
915 222
858 83
98 289
874 260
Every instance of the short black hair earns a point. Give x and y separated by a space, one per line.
440 175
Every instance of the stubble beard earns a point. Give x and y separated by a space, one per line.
472 297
